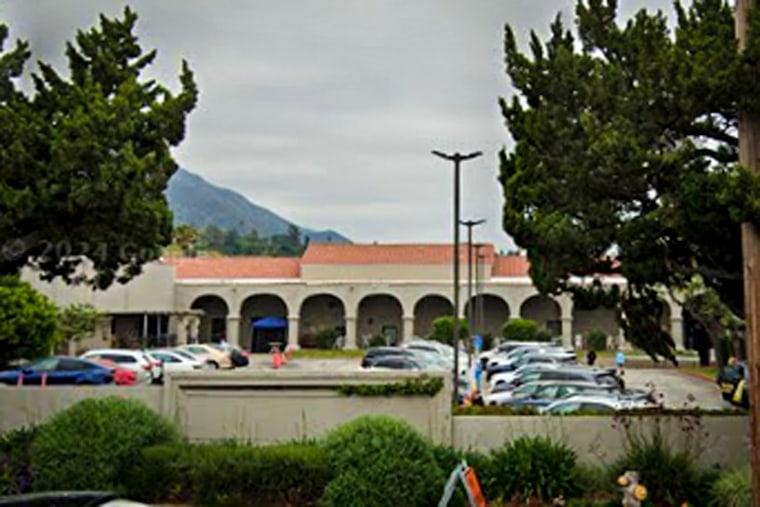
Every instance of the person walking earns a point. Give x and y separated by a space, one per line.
591 357
620 361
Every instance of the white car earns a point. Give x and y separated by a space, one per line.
146 368
173 361
507 377
593 402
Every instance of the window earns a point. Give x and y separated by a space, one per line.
72 365
566 408
119 358
167 358
48 364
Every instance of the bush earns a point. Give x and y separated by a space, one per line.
230 474
325 338
15 461
443 329
596 340
379 461
92 444
377 340
521 330
533 468
670 474
733 488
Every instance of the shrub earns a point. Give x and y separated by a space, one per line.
325 338
91 444
533 468
669 472
521 330
733 488
379 461
377 340
443 329
596 340
230 474
15 461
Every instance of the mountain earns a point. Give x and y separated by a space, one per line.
195 201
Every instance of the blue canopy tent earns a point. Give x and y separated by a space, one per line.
268 330
270 323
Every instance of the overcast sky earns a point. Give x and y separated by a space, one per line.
326 111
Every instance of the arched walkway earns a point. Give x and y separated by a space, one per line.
602 319
382 315
543 310
213 325
426 310
489 313
263 320
319 315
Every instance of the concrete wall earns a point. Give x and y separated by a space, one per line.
25 406
256 405
721 440
275 406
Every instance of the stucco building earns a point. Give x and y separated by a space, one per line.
395 290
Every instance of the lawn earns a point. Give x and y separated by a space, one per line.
327 354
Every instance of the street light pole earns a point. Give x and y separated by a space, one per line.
470 224
479 257
457 158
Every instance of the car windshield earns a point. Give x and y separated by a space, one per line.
185 354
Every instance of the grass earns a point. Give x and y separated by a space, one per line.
327 354
710 372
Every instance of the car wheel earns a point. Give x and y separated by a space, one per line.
213 365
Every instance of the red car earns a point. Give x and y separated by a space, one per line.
121 376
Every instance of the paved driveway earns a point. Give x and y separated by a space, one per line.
677 389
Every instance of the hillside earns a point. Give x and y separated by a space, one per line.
195 201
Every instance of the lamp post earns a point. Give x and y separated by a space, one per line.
457 158
479 261
470 224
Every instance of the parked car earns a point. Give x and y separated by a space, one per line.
568 372
216 357
542 393
373 354
558 359
395 363
173 361
59 370
596 403
121 376
518 354
146 368
69 499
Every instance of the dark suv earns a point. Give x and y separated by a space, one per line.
373 354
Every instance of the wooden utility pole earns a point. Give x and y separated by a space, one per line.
749 157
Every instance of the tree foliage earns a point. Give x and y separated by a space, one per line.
625 157
443 329
28 321
85 159
77 321
231 242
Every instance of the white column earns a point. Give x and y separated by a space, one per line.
350 333
181 328
676 331
293 332
194 327
567 332
233 330
408 328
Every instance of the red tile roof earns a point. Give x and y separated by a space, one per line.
331 253
236 267
510 265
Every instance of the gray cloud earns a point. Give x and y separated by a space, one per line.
326 111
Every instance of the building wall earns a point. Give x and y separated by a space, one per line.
151 292
313 272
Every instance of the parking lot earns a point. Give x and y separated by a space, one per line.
677 389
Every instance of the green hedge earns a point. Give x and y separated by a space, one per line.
230 474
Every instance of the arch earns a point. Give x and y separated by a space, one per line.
427 309
544 310
379 314
601 318
258 306
489 313
320 312
213 324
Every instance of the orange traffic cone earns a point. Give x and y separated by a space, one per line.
277 359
